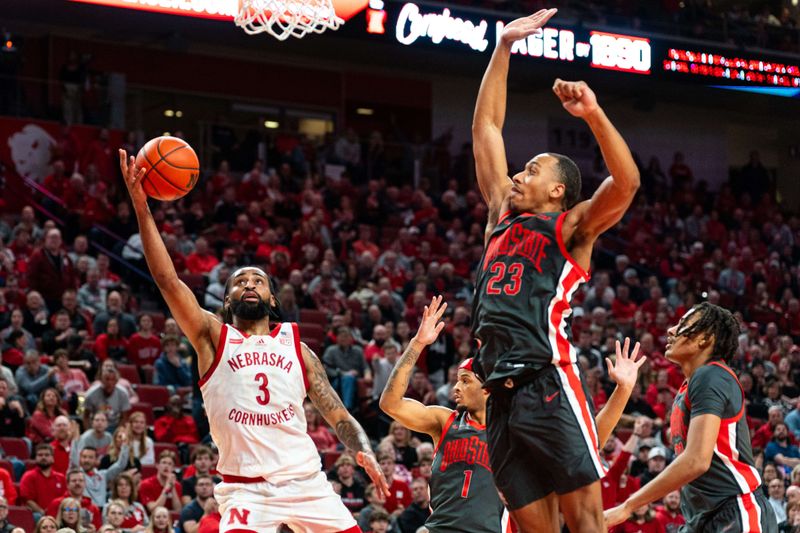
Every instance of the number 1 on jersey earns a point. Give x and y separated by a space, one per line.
263 398
467 480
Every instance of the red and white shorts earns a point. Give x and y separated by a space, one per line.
307 506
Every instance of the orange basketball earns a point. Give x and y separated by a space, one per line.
172 168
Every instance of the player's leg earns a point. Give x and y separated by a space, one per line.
316 508
540 516
583 509
523 486
243 509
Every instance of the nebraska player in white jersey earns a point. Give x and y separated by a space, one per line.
254 380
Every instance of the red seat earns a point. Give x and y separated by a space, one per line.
130 372
330 460
8 467
311 331
15 447
155 395
145 408
314 316
149 471
149 371
315 346
159 447
21 517
158 321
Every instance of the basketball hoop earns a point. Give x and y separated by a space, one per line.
285 18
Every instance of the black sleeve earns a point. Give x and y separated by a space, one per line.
712 390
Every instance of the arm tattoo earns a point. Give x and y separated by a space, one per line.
325 399
401 373
320 391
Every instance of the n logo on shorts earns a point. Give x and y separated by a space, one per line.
239 516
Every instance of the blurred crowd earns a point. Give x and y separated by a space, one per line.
103 422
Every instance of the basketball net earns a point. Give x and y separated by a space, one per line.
285 18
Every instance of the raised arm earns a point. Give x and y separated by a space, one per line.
409 412
624 371
490 111
592 217
200 327
347 428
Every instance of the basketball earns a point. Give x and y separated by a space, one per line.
172 168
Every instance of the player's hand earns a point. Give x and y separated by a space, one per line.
576 97
368 462
616 515
523 27
430 325
133 178
625 370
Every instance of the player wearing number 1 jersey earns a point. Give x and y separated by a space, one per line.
542 437
463 494
255 377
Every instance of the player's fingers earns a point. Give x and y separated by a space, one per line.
609 364
123 161
619 348
441 311
635 351
641 361
627 346
439 328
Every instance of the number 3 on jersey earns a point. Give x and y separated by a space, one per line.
499 273
263 398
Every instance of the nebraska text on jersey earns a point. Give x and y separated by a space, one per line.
259 358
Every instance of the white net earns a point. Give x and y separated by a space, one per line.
285 18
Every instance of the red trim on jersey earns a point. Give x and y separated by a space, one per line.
503 216
570 281
563 247
240 530
296 332
275 330
445 429
354 529
751 522
728 448
223 335
474 424
240 479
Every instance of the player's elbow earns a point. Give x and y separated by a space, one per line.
698 464
387 405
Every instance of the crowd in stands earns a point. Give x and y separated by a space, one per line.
102 422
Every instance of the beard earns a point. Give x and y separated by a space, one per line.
250 311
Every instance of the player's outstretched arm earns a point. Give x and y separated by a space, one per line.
610 201
624 371
200 327
691 464
409 412
347 428
490 112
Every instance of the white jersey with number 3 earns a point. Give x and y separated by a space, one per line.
253 393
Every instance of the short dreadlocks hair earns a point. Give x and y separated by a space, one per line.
719 322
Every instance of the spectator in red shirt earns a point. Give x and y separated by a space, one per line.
76 485
50 270
201 261
364 242
642 521
399 492
174 426
211 519
375 347
144 346
64 434
111 343
763 434
41 485
9 490
162 489
40 425
622 308
323 438
669 515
